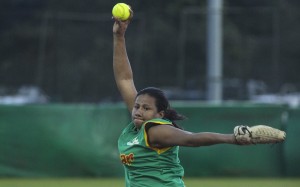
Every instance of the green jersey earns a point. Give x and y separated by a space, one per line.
146 166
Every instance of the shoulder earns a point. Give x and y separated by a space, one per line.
158 121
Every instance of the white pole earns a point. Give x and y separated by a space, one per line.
214 51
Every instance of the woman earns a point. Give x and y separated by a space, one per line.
149 145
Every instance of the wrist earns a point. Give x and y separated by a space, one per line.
233 139
118 35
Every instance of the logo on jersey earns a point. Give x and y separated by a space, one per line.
135 141
127 159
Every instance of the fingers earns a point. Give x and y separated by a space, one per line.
122 24
131 13
120 27
119 21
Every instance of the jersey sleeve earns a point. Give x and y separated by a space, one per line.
148 125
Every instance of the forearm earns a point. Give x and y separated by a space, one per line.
208 138
122 71
121 65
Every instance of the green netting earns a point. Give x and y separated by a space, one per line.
81 140
292 148
231 160
60 140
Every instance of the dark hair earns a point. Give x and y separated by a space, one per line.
162 104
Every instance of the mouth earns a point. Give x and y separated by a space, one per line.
138 120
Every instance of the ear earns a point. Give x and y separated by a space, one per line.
161 114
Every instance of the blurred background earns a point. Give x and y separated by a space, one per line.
62 51
59 101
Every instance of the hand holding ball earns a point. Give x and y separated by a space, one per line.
121 11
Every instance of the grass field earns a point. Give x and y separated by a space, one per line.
117 182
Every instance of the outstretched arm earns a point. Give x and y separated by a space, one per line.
121 65
167 136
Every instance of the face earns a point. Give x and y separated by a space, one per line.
144 109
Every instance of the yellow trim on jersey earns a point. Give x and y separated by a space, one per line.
159 122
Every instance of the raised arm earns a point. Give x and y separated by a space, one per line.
121 65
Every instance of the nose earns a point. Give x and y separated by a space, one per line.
138 112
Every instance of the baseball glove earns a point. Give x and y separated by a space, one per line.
259 134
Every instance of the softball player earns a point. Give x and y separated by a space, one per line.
149 145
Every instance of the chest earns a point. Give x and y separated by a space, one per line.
136 153
132 148
132 142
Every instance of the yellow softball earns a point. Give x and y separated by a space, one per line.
121 11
